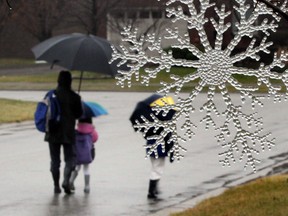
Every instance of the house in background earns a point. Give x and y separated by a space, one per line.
147 15
151 16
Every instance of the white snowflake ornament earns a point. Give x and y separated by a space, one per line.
214 70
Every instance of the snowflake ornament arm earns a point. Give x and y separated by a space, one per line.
248 148
142 52
215 69
166 127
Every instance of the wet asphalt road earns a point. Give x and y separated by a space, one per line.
119 174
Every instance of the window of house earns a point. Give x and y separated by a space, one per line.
144 14
132 15
156 14
118 14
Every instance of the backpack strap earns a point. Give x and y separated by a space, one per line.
57 105
48 98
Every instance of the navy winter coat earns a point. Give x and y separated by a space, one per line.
71 109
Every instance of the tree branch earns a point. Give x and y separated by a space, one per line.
8 3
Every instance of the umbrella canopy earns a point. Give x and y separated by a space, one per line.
78 51
92 109
162 101
144 108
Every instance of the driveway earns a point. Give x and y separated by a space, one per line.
119 174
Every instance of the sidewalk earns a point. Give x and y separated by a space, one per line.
119 174
279 168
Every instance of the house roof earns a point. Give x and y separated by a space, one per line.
143 3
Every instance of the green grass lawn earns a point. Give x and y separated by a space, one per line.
12 62
263 197
95 81
99 82
16 110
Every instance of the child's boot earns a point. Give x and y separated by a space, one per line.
87 182
152 191
72 179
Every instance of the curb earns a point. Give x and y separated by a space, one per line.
279 168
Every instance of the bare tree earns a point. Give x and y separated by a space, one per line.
40 17
95 16
5 14
92 14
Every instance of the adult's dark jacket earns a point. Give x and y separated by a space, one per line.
71 109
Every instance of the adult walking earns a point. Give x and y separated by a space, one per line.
63 134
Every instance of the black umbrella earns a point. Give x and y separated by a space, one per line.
78 52
144 109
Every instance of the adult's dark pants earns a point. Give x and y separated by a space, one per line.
69 158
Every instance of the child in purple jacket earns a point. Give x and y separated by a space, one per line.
85 130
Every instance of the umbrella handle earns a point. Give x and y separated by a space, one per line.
80 81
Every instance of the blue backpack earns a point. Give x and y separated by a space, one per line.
47 114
